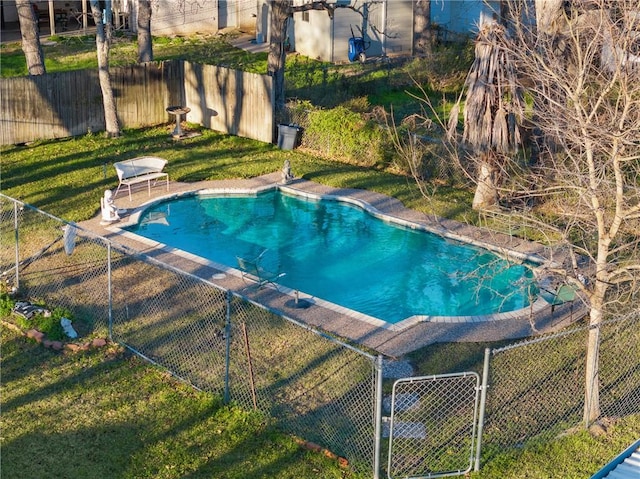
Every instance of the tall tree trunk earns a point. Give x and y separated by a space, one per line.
145 41
596 304
280 11
422 35
103 44
486 195
30 37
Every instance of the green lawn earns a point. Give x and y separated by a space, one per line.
67 177
104 413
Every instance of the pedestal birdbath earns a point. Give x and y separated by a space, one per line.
178 111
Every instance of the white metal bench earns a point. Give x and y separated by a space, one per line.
138 170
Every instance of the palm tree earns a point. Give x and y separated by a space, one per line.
492 112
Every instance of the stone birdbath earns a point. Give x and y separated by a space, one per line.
178 111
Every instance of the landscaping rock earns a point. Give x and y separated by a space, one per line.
35 334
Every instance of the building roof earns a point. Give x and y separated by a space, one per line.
625 466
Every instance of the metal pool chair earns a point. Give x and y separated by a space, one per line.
251 271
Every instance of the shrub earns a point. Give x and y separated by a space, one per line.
344 135
6 305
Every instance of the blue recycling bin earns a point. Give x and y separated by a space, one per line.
357 49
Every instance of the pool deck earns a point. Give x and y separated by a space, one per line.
392 341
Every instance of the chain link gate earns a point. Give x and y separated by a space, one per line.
432 426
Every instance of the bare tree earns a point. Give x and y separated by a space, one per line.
145 40
581 68
585 76
30 37
103 45
280 13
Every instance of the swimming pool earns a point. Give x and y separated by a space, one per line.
340 253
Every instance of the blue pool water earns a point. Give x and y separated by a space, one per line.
342 254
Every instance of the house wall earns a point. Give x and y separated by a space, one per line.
461 16
310 37
247 14
171 17
262 21
399 31
237 14
328 40
343 21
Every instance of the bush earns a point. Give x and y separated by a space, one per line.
344 135
49 325
6 305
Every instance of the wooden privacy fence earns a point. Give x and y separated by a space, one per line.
59 105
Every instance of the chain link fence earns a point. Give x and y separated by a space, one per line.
315 386
41 246
432 428
537 387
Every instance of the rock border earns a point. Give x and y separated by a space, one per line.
41 338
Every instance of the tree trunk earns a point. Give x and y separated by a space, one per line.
422 37
145 41
592 381
103 44
30 37
596 304
280 11
486 195
548 12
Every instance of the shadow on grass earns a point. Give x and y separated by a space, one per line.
83 416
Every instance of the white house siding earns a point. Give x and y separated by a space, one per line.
328 40
311 37
262 21
343 20
227 13
399 40
172 17
247 14
237 14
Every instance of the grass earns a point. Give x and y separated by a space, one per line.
104 413
67 177
64 53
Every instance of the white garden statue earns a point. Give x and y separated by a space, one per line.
109 209
287 176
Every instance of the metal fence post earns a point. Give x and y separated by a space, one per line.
378 418
17 249
110 292
483 404
227 354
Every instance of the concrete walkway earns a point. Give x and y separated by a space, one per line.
392 341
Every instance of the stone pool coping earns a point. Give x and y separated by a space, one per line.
391 340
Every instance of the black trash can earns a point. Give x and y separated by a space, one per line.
289 136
